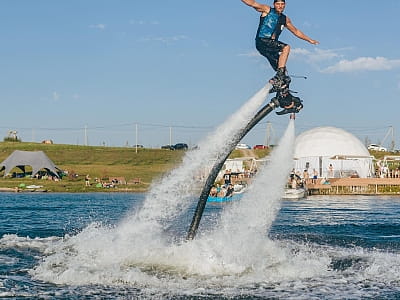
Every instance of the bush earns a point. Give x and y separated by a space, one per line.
12 139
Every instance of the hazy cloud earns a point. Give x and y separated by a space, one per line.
56 96
204 43
167 39
253 53
98 26
142 22
310 56
363 64
317 55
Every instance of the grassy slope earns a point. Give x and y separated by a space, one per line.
100 162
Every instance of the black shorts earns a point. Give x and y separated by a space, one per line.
271 49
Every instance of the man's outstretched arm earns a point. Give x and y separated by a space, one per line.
257 6
299 33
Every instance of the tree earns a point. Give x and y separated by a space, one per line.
12 136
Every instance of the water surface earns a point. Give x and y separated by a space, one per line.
319 248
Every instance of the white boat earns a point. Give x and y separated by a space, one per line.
239 188
298 193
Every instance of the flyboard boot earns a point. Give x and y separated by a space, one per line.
280 81
289 103
280 84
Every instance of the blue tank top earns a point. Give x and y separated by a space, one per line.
271 25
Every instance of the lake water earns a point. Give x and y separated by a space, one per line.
83 246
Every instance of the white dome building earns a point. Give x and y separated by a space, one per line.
319 147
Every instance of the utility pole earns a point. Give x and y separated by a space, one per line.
170 135
136 137
269 134
86 141
392 143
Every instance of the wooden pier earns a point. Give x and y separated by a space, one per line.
355 186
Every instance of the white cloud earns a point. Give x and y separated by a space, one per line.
98 26
363 64
317 55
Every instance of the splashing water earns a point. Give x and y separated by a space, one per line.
245 224
103 255
233 260
173 194
239 242
139 239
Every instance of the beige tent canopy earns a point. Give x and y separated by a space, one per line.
36 159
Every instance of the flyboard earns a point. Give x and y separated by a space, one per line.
278 101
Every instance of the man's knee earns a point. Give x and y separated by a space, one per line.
286 49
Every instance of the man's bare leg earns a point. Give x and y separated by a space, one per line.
281 80
284 57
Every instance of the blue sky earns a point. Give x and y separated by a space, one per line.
183 67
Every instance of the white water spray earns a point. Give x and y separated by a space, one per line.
235 260
257 209
239 240
173 194
100 254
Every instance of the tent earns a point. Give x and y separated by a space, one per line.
36 159
321 147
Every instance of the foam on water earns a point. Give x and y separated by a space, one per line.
238 247
235 258
171 195
282 268
241 233
139 238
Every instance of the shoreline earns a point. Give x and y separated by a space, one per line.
6 190
42 190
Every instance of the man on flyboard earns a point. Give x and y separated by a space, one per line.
272 22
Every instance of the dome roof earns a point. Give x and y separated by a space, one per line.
328 141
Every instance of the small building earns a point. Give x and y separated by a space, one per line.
321 147
47 142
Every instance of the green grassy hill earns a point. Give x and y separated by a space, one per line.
104 162
100 162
